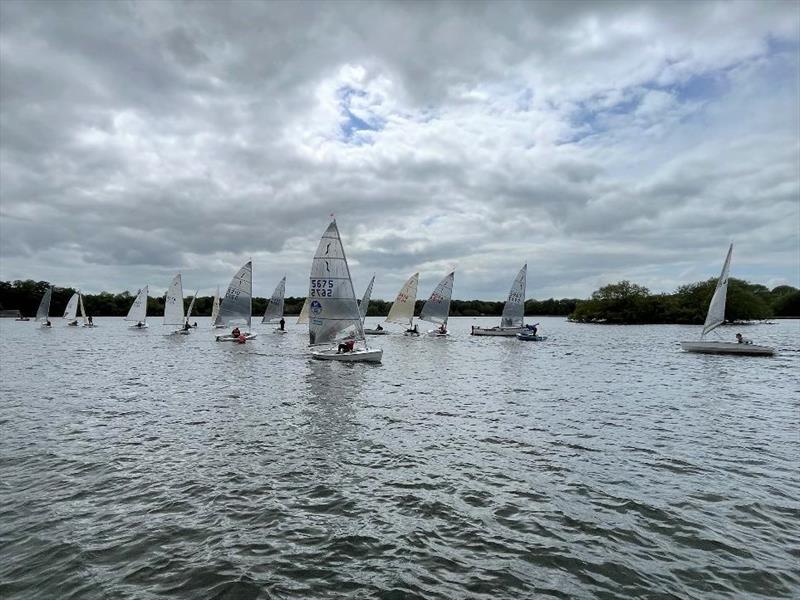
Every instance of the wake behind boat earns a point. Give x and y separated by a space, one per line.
335 328
716 317
237 306
512 322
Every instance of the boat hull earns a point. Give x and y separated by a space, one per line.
527 337
375 331
703 347
144 326
497 331
229 338
437 333
372 355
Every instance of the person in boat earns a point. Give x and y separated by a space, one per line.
241 339
379 328
412 329
186 326
89 318
73 323
194 325
742 340
281 324
47 323
535 329
346 346
442 329
139 324
236 333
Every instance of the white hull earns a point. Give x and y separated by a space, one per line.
229 338
72 324
498 331
364 355
727 348
411 333
437 333
527 337
375 331
279 331
89 325
180 332
46 326
144 326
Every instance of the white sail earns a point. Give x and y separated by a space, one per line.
215 309
71 312
83 310
716 309
173 303
437 307
43 311
514 309
274 312
236 307
402 310
364 305
302 318
191 306
138 311
333 310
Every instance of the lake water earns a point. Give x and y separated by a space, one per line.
602 463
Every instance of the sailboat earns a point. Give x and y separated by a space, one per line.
215 322
87 321
402 310
138 312
237 306
364 305
43 312
302 318
333 310
437 308
173 307
71 312
274 311
512 321
716 317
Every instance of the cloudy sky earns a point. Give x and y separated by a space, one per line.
596 141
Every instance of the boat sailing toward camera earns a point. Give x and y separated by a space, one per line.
402 310
274 311
716 317
138 312
437 308
334 316
237 306
513 320
173 307
43 312
71 312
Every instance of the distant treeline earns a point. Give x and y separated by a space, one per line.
26 295
628 303
623 303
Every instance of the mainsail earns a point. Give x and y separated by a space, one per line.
437 307
44 306
274 310
402 311
138 311
215 309
173 303
716 309
191 306
71 312
333 310
302 318
364 305
514 309
236 307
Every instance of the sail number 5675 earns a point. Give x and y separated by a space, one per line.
321 288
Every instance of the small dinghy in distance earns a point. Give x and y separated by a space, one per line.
437 308
512 322
364 305
138 311
402 310
274 311
716 317
237 305
71 312
173 307
335 329
43 312
87 321
529 336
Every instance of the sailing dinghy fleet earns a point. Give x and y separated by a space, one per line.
336 318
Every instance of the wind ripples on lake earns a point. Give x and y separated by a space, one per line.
602 463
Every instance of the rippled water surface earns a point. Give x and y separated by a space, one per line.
602 463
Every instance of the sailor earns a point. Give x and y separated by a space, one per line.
47 323
379 328
139 324
235 333
346 346
442 329
281 324
90 320
742 340
241 339
186 326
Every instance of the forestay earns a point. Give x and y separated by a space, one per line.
43 311
402 310
236 307
514 309
173 303
333 310
138 311
71 312
364 305
437 308
716 309
274 310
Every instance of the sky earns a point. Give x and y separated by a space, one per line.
596 141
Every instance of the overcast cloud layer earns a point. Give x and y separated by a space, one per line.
594 141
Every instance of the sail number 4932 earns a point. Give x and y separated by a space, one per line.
321 288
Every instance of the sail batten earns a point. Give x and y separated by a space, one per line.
332 306
402 310
173 302
236 306
716 308
274 311
138 310
437 308
514 308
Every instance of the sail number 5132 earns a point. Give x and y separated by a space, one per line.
321 288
